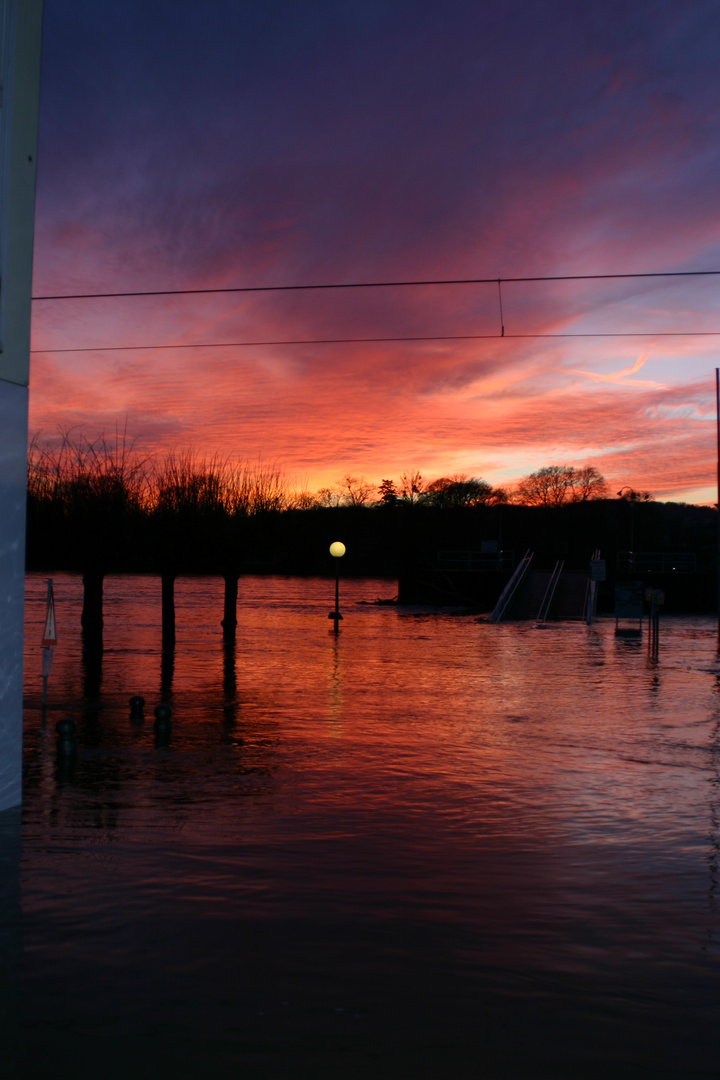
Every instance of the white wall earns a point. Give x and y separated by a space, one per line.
13 464
10 944
20 36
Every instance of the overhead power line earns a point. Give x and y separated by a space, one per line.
373 340
380 284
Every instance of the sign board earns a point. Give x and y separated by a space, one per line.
655 597
629 600
49 633
598 570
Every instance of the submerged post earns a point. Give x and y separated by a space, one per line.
655 598
92 612
229 619
168 610
597 574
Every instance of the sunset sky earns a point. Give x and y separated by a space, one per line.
233 144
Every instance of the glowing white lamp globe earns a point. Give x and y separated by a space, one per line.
337 549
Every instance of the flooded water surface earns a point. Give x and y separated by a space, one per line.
427 845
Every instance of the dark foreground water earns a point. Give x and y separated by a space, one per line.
428 847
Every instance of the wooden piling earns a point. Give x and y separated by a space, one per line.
229 619
168 610
92 613
167 672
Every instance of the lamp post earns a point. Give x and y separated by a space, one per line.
337 550
631 500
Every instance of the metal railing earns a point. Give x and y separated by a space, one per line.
475 560
658 562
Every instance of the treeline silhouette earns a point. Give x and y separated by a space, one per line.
98 506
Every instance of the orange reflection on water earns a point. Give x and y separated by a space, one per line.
434 720
472 812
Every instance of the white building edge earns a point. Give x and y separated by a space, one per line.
21 32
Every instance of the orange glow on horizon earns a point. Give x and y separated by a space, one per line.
496 409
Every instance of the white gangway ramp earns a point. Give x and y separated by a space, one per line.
550 591
512 587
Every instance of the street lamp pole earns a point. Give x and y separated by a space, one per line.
337 550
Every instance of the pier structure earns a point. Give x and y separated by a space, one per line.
542 595
546 587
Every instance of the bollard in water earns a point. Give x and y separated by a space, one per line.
137 704
163 719
162 725
66 742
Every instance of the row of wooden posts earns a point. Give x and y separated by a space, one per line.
92 611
